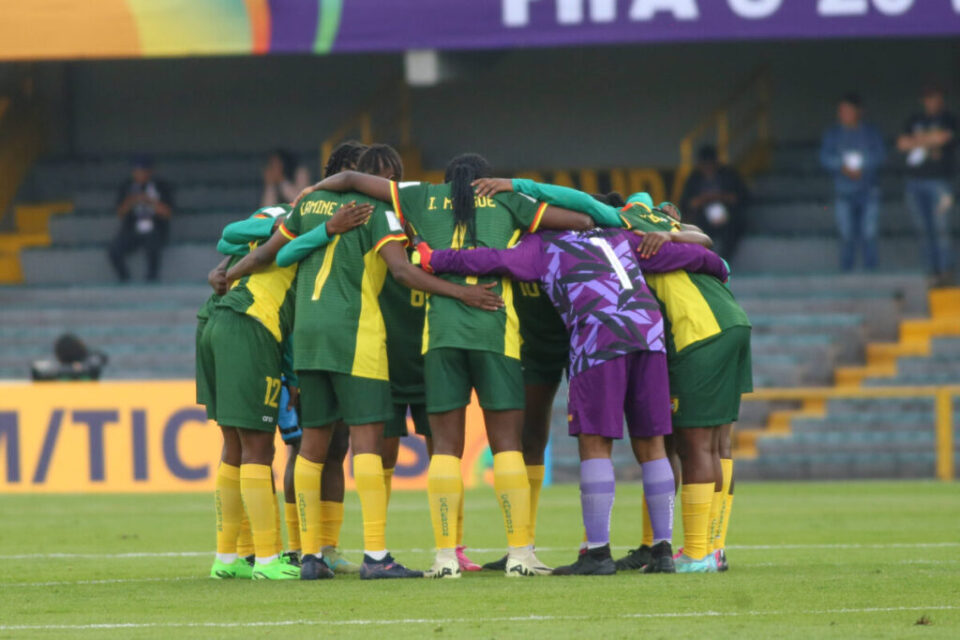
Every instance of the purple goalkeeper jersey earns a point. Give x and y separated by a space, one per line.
595 281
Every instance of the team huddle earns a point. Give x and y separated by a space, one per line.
371 299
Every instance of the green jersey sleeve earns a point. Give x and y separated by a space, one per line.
231 249
384 226
408 200
292 226
302 246
244 231
602 214
527 212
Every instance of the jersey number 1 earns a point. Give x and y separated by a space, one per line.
614 261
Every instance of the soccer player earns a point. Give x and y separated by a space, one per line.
708 351
465 350
617 355
242 354
234 539
340 355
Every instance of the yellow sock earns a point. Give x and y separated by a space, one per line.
368 473
229 507
647 525
460 516
716 502
727 465
306 482
444 492
256 486
513 493
277 519
535 473
388 483
695 501
331 521
293 525
245 537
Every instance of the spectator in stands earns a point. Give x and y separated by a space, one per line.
716 196
853 152
144 205
929 144
283 178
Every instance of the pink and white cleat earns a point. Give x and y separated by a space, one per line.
466 564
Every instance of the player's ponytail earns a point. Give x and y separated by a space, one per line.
461 172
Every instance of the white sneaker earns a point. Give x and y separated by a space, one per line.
445 566
524 562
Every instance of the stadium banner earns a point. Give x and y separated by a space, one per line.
69 29
147 436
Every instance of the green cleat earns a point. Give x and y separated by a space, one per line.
223 571
336 562
276 570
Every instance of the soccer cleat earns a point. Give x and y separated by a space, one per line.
314 568
466 564
635 559
387 568
686 564
720 555
223 571
595 562
661 559
496 565
336 562
444 567
679 553
291 557
525 563
276 570
245 570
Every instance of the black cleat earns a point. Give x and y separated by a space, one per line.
595 562
721 556
661 559
291 557
387 568
313 568
496 565
635 559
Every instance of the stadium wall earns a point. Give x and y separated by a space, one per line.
628 106
146 436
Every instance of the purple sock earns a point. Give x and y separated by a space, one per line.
659 492
596 499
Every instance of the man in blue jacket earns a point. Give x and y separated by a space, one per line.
853 152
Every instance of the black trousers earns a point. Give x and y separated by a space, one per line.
128 240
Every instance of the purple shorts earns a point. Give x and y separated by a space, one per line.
635 386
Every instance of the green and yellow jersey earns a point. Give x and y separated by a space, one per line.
404 312
500 221
544 337
695 306
267 296
339 326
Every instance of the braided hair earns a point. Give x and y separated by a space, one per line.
460 173
381 160
344 157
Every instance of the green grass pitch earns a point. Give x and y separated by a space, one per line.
840 560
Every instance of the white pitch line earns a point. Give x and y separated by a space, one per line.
532 618
757 547
65 583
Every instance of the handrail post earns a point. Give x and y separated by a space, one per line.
944 425
723 136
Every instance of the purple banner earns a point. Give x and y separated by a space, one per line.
392 25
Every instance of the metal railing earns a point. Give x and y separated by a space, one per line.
740 128
943 409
